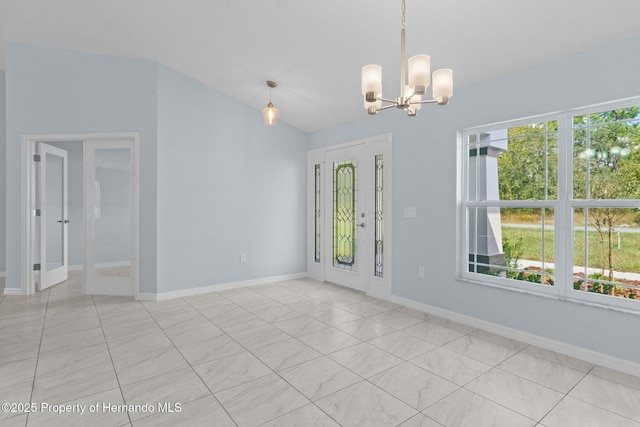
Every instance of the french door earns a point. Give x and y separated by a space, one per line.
53 202
110 217
349 221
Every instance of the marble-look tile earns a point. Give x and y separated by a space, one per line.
65 386
14 393
433 332
515 393
12 420
134 330
142 367
191 333
276 313
334 316
19 371
452 366
451 324
309 306
319 377
499 339
395 319
239 322
364 359
300 325
402 345
616 376
364 329
259 336
541 371
414 313
609 395
363 404
99 417
342 300
481 350
205 411
364 309
181 386
209 349
73 359
413 385
308 415
260 400
231 371
26 349
562 359
285 354
73 340
574 412
420 420
466 409
135 346
328 340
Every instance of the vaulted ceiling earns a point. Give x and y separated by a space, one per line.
314 49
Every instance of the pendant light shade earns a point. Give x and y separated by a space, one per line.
270 114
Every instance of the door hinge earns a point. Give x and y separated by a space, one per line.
36 157
36 267
37 212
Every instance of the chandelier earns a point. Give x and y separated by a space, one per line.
410 98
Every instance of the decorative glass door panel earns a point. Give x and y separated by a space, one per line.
346 218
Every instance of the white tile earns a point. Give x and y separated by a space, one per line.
364 309
413 385
552 356
328 340
300 325
259 336
73 359
72 340
19 371
609 395
334 316
231 371
515 393
65 386
141 367
308 415
452 366
574 412
319 377
285 354
433 332
395 319
403 345
363 404
364 329
365 360
466 409
260 400
616 376
200 412
479 349
209 349
549 374
135 346
420 420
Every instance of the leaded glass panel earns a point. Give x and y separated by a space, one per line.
379 216
344 214
317 212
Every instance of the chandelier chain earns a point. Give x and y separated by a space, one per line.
404 11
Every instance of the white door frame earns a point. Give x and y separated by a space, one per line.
380 144
28 249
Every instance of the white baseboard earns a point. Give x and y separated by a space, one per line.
217 288
591 356
12 292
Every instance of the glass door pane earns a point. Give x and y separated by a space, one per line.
54 207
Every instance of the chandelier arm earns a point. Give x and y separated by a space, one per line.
428 101
393 101
386 107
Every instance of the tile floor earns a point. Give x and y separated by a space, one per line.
296 353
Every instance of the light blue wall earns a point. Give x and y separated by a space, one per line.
3 175
53 91
424 176
226 185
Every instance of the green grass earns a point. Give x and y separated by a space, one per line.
626 259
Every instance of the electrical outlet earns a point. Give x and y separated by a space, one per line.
421 272
243 257
410 212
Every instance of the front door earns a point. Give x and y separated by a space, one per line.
347 217
53 202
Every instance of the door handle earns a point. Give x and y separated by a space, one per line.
360 225
66 221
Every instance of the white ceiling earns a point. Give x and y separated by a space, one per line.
315 49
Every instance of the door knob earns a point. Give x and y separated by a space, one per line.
360 225
66 221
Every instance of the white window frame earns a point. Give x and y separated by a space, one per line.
563 208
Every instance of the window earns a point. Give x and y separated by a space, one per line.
552 205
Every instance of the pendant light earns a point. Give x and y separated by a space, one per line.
270 114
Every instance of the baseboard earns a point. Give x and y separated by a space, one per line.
217 288
12 292
2 274
590 356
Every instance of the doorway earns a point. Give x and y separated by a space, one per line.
349 222
106 206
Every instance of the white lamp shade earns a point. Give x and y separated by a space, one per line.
376 104
420 71
270 115
443 83
371 79
414 98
